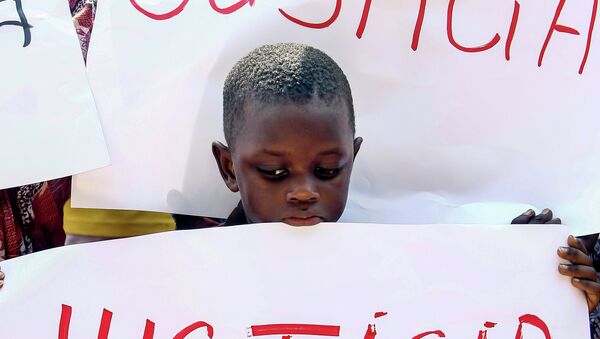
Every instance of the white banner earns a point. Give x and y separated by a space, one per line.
460 123
277 281
49 127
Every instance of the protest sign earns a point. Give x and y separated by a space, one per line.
277 281
49 127
471 111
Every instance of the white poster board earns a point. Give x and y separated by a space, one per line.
451 135
49 127
404 280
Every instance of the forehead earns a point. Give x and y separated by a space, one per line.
291 125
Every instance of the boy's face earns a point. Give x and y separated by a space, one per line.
291 163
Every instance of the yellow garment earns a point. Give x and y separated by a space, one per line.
114 223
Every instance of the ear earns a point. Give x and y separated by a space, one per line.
225 163
357 142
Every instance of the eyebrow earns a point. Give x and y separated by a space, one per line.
272 152
332 151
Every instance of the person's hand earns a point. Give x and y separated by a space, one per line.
529 217
1 279
584 276
580 268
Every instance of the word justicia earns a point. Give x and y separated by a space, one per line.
288 330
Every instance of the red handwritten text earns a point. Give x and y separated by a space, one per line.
362 25
285 330
164 16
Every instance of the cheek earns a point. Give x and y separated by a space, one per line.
262 199
334 194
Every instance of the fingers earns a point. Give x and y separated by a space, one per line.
542 218
578 271
591 289
529 217
524 218
577 243
584 276
575 256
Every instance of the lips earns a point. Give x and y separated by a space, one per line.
303 221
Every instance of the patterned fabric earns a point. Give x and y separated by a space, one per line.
595 323
25 196
595 315
31 217
83 12
11 237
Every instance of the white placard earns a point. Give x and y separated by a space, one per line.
49 127
451 135
405 280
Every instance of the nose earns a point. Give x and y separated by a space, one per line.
304 193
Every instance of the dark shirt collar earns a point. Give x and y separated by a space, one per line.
237 216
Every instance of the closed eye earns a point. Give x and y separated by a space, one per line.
273 174
326 173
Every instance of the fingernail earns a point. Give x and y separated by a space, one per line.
577 280
564 267
563 250
545 211
529 213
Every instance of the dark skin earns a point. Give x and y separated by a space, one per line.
580 267
291 163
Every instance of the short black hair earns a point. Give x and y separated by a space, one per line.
282 73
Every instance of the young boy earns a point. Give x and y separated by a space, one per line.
289 123
288 120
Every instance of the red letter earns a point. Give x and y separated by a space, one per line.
363 19
65 321
336 13
289 329
589 39
511 31
105 324
565 29
419 25
532 320
149 330
424 334
462 48
183 333
371 331
165 16
232 8
483 333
